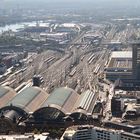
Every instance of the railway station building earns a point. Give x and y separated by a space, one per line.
34 107
119 66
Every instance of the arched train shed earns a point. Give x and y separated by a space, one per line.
24 103
6 94
58 104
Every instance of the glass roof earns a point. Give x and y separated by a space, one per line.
59 96
25 97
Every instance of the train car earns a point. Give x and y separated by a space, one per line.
72 72
91 57
106 63
48 60
91 60
24 69
6 84
97 69
51 59
17 72
82 57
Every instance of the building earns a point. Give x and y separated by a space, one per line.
67 27
93 38
117 106
136 60
119 66
33 105
57 105
132 111
15 108
85 106
26 136
129 136
97 133
12 59
55 36
65 102
125 106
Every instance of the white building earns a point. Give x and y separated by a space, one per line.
55 36
27 136
97 133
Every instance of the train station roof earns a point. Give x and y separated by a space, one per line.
121 54
62 98
120 60
29 100
85 103
6 94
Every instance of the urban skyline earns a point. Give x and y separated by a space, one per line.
69 70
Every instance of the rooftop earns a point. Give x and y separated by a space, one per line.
121 54
62 98
121 60
116 63
30 99
25 137
68 25
6 94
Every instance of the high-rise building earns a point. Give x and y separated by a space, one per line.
136 60
117 106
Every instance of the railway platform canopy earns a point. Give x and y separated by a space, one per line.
84 105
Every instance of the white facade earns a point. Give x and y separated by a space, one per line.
96 133
25 137
129 136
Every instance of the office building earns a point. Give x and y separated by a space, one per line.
117 106
136 60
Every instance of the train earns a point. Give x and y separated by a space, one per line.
48 60
82 57
84 47
91 58
9 83
72 72
97 69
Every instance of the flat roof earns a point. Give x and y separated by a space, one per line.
54 34
121 54
26 137
117 63
68 25
121 60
